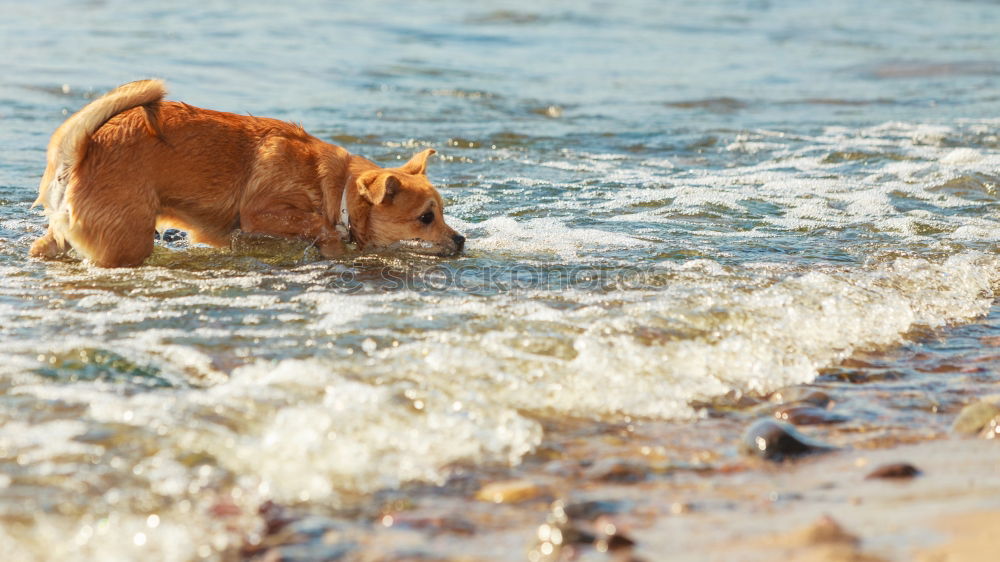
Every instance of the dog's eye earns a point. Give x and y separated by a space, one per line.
426 218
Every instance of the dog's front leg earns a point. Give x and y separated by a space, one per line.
294 223
331 246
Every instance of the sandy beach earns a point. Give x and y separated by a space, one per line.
819 508
884 490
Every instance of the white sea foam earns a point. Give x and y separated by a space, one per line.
313 432
767 339
544 236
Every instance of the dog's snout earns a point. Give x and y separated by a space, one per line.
459 241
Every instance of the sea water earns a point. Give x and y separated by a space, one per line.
665 202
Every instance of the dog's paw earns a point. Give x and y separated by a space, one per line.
46 247
331 248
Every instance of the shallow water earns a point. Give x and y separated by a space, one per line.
665 204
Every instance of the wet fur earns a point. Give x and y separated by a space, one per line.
129 163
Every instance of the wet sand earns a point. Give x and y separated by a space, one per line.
790 512
821 507
897 482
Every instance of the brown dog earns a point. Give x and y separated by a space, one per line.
129 163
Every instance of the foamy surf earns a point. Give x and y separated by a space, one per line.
321 430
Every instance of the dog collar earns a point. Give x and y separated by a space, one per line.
343 225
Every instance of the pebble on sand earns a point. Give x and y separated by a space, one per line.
511 491
774 440
977 416
896 470
824 530
571 530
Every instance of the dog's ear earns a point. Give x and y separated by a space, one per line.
378 188
418 164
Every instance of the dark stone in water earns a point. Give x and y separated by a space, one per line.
617 470
576 535
861 376
714 105
581 525
895 470
799 414
732 401
171 235
614 542
292 537
276 517
592 509
775 441
801 394
436 524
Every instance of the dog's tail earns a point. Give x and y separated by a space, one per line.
77 129
68 146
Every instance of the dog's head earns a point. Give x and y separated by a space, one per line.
405 210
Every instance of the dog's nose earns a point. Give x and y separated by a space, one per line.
459 241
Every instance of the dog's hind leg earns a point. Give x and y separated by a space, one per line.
112 226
